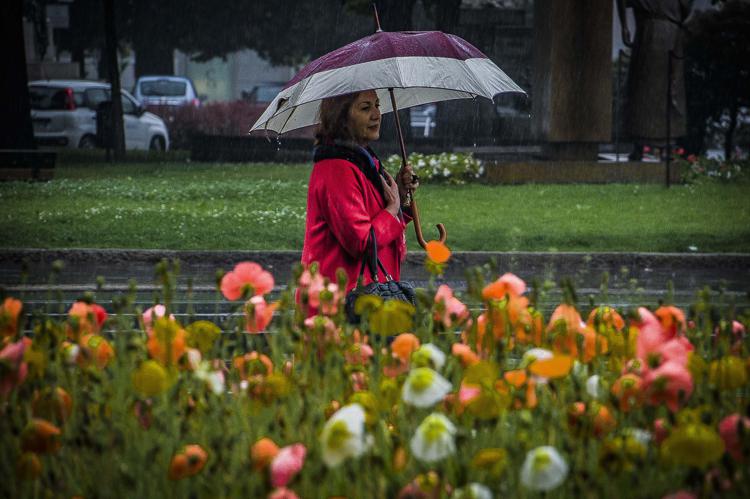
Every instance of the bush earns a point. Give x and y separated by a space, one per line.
216 118
696 168
451 168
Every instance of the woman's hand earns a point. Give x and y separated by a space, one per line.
407 181
391 191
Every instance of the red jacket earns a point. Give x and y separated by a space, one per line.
342 205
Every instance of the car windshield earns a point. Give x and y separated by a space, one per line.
163 88
51 98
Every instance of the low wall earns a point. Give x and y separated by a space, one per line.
578 172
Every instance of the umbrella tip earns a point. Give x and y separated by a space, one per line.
377 19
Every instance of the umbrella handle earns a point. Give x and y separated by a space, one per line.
418 227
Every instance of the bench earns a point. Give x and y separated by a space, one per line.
26 164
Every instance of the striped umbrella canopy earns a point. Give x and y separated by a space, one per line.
419 67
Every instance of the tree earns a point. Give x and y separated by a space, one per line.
16 130
718 70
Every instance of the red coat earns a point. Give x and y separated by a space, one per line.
342 205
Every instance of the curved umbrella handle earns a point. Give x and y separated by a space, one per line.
418 227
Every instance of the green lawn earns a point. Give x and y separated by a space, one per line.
180 205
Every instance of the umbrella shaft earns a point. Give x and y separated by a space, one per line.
408 200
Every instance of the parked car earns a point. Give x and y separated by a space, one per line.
166 91
263 93
63 113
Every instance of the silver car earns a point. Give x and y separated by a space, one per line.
166 91
64 114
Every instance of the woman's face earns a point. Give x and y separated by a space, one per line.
364 117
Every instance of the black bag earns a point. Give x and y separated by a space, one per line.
388 290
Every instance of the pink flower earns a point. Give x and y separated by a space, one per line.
467 393
246 277
153 313
670 383
682 494
258 314
729 431
14 368
359 354
661 431
287 463
675 350
651 335
453 309
738 329
283 493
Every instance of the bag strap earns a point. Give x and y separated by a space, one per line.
373 262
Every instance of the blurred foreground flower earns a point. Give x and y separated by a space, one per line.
13 369
258 314
9 313
286 464
246 280
344 435
434 438
543 469
262 453
425 388
693 444
190 461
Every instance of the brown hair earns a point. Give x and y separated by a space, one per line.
334 119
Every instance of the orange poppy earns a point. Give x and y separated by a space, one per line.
607 317
465 354
187 463
672 319
262 453
95 348
507 284
53 405
567 315
253 363
403 346
437 251
167 343
40 436
557 366
627 389
516 377
9 312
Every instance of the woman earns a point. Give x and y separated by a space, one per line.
350 192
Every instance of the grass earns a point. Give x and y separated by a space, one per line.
174 204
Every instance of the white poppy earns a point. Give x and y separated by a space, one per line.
214 379
424 387
592 387
641 436
426 354
544 469
473 491
344 435
433 439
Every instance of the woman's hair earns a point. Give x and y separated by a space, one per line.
334 119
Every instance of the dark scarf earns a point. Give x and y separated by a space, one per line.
355 155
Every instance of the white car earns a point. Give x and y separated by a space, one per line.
64 114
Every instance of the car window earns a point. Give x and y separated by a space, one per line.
95 96
163 88
48 98
128 106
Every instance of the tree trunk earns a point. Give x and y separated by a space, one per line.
16 131
110 36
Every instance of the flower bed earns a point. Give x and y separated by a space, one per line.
447 167
441 401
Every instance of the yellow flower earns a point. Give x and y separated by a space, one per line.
202 335
727 373
151 378
492 460
694 444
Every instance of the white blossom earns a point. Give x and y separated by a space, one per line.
424 387
344 435
544 469
434 438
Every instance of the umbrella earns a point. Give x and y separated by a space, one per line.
406 69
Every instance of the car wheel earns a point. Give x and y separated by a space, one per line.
87 142
157 144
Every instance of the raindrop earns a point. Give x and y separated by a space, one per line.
278 142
